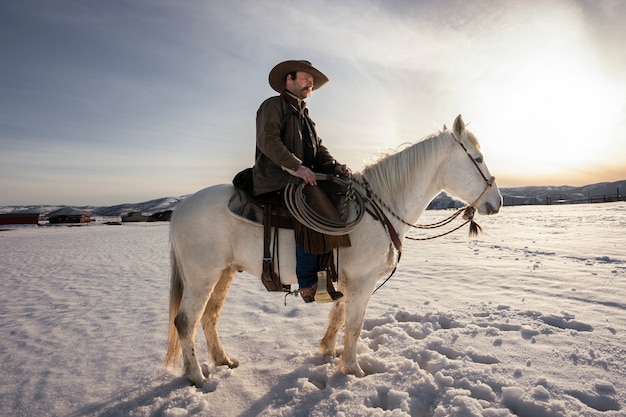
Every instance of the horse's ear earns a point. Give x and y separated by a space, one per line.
459 127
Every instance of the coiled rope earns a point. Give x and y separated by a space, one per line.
352 209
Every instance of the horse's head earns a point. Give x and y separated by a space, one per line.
466 175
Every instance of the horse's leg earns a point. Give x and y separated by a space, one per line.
211 316
186 322
336 319
356 304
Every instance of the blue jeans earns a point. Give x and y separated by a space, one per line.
306 268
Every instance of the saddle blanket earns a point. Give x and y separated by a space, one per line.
243 206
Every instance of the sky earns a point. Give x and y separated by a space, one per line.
104 103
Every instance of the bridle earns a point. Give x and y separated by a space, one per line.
489 182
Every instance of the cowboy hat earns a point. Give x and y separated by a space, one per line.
280 71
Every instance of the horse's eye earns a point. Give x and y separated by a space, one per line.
479 160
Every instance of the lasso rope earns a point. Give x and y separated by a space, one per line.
302 212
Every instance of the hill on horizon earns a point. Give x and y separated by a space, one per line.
528 195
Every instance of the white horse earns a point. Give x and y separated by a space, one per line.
209 245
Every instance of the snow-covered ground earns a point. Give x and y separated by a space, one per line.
527 320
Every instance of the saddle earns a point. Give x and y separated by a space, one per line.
252 209
270 211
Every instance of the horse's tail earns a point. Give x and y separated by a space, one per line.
176 294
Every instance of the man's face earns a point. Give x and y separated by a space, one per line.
301 86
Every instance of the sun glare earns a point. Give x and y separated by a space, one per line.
558 112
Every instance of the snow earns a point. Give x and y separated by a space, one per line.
526 320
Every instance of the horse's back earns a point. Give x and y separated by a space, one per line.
207 200
203 212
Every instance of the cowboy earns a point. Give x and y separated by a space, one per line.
288 150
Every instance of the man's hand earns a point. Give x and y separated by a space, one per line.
343 170
305 174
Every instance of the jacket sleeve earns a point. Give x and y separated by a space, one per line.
268 140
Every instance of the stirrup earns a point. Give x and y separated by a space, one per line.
322 295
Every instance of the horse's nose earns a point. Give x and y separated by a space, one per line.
491 209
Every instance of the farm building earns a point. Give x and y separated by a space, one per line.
161 216
135 216
69 218
19 218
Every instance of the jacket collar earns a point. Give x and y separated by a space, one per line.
297 104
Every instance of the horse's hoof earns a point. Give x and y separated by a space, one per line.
228 362
206 371
356 371
328 352
199 383
199 378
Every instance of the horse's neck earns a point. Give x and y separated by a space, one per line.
415 199
418 197
417 182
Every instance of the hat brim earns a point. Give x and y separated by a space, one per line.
279 73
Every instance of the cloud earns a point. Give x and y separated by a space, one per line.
172 88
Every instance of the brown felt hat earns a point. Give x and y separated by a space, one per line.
280 71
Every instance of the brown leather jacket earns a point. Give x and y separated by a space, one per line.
279 144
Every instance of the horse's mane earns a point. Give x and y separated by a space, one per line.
392 170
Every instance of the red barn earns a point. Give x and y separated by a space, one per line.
19 218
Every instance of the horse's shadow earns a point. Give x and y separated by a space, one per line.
167 391
308 382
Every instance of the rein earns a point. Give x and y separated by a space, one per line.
468 214
468 211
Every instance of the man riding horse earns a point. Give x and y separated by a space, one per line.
288 149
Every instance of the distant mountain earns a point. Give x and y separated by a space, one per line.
593 193
146 207
533 195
